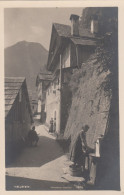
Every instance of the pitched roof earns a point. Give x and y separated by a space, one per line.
45 76
80 41
84 32
62 29
12 87
65 30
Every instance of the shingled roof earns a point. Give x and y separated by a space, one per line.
12 88
62 29
80 41
43 76
65 31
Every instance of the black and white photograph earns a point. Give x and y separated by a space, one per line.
61 90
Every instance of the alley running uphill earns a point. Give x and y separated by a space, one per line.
39 168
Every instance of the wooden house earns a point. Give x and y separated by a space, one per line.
18 114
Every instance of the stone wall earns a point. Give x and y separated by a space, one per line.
91 103
95 103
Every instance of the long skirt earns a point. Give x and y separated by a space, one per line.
77 155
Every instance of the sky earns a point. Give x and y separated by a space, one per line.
34 24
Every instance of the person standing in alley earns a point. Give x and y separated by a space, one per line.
33 137
54 125
79 148
51 126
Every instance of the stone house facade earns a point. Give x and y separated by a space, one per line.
70 46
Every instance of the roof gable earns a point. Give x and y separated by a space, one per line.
65 31
62 29
54 44
45 77
12 88
61 36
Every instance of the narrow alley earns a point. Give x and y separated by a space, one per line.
61 128
39 168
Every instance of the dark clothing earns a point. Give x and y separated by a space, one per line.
79 149
51 126
33 137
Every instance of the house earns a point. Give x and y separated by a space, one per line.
70 46
18 114
42 81
96 102
33 99
34 105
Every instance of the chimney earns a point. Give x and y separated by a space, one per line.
94 24
74 25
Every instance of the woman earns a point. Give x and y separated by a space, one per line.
79 148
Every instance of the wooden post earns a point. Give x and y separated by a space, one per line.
77 56
60 90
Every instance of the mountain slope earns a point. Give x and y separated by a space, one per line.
25 59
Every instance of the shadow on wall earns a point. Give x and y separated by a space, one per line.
47 150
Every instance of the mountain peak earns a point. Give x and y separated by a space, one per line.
26 44
25 59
